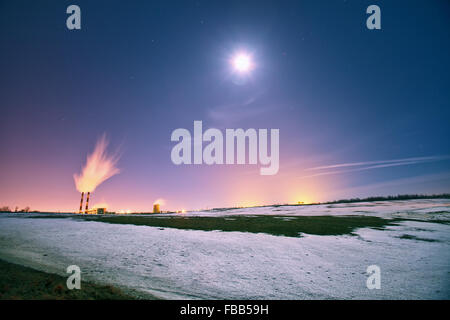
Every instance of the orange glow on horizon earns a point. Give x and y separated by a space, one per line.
230 187
100 205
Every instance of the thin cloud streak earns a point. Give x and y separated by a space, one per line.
228 114
374 165
355 164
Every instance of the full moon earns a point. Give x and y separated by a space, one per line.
242 62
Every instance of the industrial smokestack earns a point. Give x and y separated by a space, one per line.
87 202
81 203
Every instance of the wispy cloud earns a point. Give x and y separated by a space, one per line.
369 165
232 112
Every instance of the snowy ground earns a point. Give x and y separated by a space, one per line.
423 209
172 263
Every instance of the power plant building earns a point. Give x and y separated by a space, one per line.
96 211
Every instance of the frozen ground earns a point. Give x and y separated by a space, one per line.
423 209
414 256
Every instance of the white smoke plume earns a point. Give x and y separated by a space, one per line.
99 167
160 201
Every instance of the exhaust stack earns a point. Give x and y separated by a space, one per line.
87 202
81 203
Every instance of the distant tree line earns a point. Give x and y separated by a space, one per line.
16 209
397 197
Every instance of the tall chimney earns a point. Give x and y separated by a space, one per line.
81 203
87 202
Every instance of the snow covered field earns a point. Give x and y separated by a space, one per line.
423 209
414 256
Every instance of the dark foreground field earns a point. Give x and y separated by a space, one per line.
21 283
290 226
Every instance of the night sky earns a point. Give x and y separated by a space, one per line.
370 108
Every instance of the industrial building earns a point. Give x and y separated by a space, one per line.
96 211
87 210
